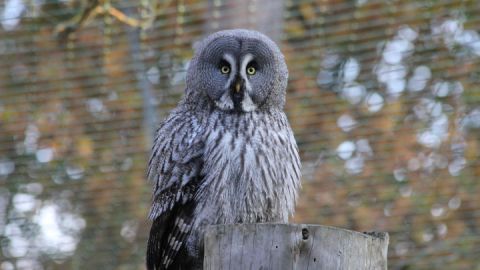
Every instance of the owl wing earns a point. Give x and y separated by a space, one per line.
174 167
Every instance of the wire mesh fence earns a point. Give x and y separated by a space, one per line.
383 98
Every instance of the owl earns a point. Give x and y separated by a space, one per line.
226 154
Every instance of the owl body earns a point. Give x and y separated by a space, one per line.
226 154
247 166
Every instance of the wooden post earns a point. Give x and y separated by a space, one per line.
292 246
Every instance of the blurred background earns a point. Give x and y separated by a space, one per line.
384 99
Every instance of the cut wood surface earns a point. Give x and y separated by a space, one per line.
292 246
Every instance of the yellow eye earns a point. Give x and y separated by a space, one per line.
225 69
251 71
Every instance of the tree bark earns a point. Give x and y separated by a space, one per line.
265 16
292 246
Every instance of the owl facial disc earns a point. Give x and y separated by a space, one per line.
237 93
237 71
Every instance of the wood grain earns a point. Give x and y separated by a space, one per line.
292 246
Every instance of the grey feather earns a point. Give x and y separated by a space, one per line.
226 154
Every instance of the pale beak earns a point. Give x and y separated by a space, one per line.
237 87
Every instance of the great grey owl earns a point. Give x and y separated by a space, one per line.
226 154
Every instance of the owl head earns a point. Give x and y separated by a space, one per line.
239 71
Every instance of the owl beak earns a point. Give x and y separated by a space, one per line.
237 90
238 87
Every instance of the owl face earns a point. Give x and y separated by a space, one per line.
240 71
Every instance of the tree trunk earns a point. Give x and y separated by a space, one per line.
292 246
265 16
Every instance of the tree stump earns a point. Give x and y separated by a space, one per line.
292 246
